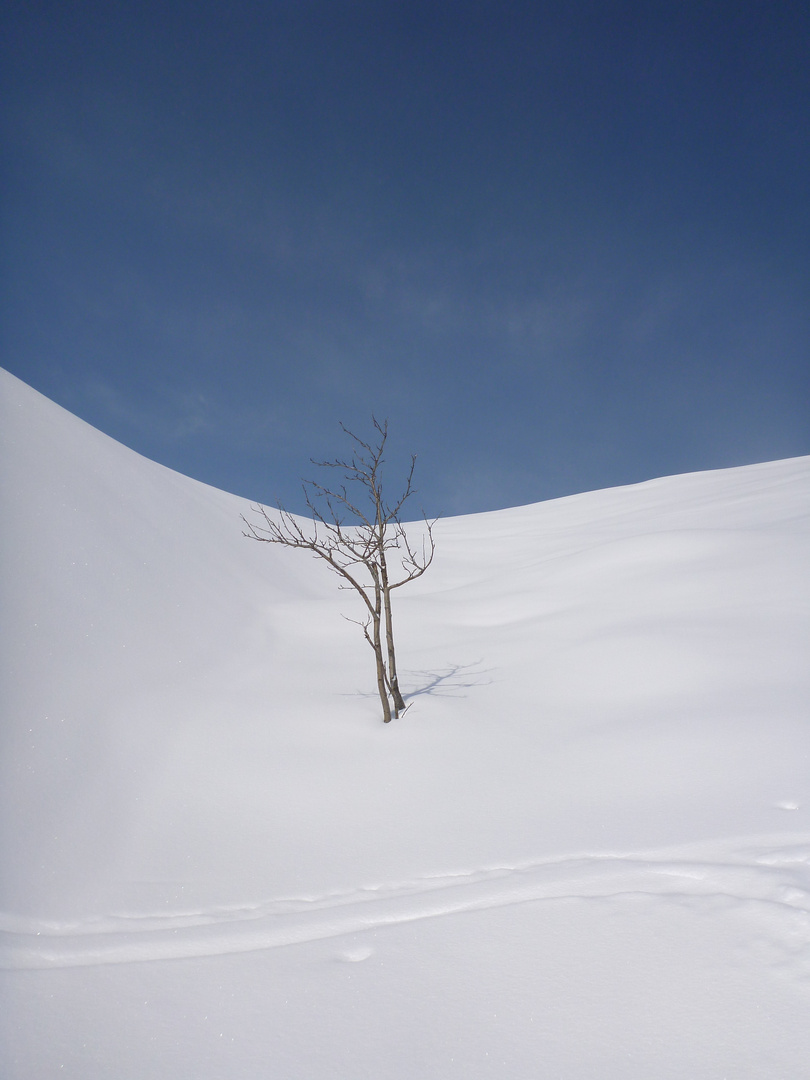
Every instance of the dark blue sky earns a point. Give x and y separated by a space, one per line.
560 246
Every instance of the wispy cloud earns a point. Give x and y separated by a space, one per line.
170 417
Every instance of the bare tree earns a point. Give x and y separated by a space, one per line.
361 537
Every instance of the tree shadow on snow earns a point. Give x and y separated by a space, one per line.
444 682
450 681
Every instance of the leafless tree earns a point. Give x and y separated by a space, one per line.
361 537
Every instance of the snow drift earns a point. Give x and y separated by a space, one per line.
584 850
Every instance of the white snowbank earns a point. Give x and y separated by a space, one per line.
584 850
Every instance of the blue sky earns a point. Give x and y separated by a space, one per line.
561 246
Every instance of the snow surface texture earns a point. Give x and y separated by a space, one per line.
583 852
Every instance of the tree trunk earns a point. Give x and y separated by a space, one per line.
393 682
381 678
376 642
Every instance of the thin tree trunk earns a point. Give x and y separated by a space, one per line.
393 682
381 676
382 681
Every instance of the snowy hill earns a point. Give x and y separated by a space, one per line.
584 851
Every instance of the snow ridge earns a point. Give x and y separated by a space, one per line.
769 878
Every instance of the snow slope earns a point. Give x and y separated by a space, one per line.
584 851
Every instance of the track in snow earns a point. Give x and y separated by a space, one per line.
770 876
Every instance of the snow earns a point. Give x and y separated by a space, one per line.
583 851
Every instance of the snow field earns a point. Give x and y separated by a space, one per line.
584 850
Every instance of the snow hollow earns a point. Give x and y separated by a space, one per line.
583 852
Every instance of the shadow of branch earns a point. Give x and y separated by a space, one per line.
444 682
449 681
